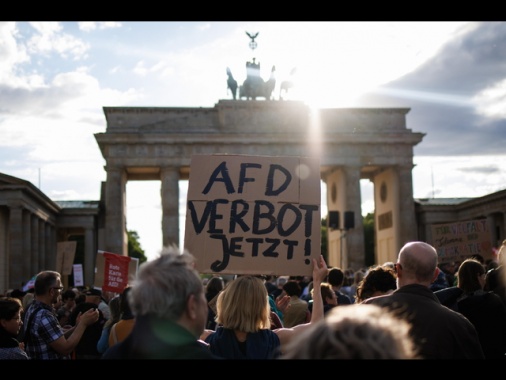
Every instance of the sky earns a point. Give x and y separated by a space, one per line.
56 77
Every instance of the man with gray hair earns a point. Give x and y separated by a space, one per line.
170 307
439 332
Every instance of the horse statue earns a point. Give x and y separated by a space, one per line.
231 84
254 86
287 84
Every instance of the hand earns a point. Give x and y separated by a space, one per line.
320 270
89 317
283 303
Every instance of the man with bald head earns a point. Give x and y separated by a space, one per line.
439 332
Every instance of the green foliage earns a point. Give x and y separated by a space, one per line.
134 247
324 243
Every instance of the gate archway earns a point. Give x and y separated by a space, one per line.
156 143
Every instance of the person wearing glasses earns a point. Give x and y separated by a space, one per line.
44 337
439 332
10 325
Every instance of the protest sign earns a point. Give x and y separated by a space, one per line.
253 214
461 240
114 271
78 275
65 253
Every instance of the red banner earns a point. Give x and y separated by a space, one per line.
115 272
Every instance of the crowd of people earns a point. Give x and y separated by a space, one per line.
414 308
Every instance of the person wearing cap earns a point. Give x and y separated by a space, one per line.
95 296
44 336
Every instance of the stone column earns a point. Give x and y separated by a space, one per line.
49 259
89 257
37 259
407 222
354 245
115 208
15 250
170 205
28 262
49 245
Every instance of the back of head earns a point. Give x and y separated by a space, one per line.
68 294
44 281
379 279
468 275
115 311
163 285
327 292
357 331
27 300
215 285
9 307
335 277
124 305
292 288
243 305
419 261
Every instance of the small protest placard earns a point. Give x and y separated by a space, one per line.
253 214
114 271
461 240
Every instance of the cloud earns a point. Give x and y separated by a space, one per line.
50 38
456 97
88 26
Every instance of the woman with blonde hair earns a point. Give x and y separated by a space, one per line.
243 317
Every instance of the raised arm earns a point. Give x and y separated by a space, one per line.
320 272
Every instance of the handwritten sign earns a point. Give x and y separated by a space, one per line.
461 240
65 253
253 214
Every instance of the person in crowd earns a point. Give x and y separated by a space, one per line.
494 282
358 276
270 284
329 298
278 308
95 296
10 324
280 281
214 286
298 311
440 333
87 346
440 282
336 279
44 337
170 308
378 280
27 300
306 293
68 304
449 268
355 332
103 342
485 310
243 310
349 276
121 329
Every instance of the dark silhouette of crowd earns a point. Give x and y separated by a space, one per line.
413 308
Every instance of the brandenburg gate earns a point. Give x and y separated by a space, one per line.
156 143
